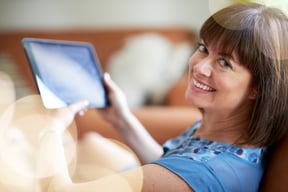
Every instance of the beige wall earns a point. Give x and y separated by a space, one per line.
59 14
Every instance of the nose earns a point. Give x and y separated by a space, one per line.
203 67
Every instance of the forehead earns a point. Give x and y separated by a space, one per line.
235 42
220 49
220 39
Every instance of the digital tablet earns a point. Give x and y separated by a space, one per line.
66 72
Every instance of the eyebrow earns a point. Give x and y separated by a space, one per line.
223 54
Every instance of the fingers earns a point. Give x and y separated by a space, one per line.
68 113
79 107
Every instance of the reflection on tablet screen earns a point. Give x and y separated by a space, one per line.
67 74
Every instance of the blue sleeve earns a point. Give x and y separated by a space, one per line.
198 176
224 173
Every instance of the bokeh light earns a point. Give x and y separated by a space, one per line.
30 147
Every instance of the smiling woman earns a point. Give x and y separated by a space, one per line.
242 96
241 93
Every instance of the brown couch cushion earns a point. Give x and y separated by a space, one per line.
276 176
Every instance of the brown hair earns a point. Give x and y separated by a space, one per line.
259 36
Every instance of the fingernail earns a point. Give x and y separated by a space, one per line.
107 75
81 113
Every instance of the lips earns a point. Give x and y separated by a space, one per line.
202 86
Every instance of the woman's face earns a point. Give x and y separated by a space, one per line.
217 81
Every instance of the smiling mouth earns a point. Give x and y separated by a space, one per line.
203 87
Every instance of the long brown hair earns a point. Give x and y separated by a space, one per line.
259 36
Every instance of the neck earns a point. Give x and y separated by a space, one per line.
229 128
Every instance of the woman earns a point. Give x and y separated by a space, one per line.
238 78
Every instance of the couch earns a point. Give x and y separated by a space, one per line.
162 121
107 42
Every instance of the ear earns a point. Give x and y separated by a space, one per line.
253 94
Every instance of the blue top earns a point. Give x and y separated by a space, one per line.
211 165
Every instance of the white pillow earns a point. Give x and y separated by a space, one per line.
147 66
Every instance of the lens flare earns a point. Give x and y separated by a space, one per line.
30 148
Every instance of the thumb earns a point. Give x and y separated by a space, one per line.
110 84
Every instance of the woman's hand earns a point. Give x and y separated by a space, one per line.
118 109
65 116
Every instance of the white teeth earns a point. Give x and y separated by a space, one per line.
201 86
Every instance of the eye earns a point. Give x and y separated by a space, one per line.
224 64
202 48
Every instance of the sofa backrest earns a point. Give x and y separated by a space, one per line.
276 176
106 42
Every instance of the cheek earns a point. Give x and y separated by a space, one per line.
192 62
233 88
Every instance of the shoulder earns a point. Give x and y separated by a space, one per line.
224 171
197 175
159 178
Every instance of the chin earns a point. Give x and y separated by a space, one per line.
190 99
194 101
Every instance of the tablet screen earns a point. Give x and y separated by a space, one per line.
65 72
